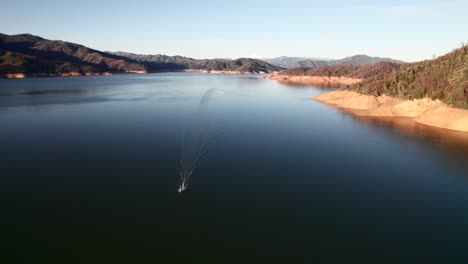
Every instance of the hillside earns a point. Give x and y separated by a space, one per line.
352 71
357 60
240 65
444 78
158 62
30 54
35 56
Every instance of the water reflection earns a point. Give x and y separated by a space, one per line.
455 141
78 175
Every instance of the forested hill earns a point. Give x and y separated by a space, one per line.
444 78
359 72
31 54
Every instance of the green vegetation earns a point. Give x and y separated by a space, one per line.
337 71
444 78
13 62
36 56
352 71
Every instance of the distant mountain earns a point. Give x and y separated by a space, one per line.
362 60
32 55
238 65
294 62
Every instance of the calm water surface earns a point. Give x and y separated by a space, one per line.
89 173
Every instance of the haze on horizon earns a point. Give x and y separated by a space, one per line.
404 30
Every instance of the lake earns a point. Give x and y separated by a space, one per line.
90 171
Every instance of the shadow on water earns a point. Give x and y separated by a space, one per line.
31 104
36 98
55 91
455 141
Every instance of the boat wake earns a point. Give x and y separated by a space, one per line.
194 142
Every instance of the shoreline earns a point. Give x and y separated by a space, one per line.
86 74
224 71
52 75
331 81
423 111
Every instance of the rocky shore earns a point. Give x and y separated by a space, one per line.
424 111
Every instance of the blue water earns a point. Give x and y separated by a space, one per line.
89 173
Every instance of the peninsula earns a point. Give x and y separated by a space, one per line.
432 92
333 75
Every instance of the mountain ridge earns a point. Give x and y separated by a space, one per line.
356 60
29 55
187 63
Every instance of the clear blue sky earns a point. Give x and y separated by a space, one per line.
407 30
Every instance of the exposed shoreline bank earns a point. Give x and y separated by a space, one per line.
314 80
424 111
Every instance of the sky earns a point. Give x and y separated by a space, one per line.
405 30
